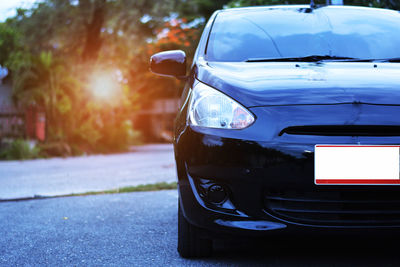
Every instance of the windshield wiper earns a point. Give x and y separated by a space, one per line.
313 58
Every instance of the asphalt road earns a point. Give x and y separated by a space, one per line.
140 229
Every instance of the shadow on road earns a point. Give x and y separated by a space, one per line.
303 250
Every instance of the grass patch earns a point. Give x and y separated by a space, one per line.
137 188
18 149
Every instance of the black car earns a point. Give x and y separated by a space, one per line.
290 120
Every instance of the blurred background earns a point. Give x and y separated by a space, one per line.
74 73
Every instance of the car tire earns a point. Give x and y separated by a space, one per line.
190 242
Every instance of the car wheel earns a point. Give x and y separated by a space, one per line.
190 243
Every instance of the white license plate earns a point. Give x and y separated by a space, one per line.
357 165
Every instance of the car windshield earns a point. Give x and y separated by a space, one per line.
286 33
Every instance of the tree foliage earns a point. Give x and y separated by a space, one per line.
42 80
8 42
62 44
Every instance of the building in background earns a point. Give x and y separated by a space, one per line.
16 122
156 122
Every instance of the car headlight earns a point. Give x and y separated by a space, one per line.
213 109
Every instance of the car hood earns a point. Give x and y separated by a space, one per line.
288 83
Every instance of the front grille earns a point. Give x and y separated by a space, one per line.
336 208
343 130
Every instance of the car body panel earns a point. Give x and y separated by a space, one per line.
289 83
268 171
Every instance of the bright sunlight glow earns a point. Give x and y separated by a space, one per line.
103 85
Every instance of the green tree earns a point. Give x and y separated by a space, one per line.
200 8
43 81
8 42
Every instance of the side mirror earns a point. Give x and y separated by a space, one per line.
169 63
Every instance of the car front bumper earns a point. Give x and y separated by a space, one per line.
270 186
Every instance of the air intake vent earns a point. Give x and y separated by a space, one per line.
343 130
337 208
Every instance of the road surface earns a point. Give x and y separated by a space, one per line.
140 229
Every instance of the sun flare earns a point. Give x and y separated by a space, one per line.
103 85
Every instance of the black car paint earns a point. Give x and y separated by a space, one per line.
287 83
259 162
169 63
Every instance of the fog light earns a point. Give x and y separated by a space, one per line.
216 194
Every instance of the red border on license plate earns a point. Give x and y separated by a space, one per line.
357 165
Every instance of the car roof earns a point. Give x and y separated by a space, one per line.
291 7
